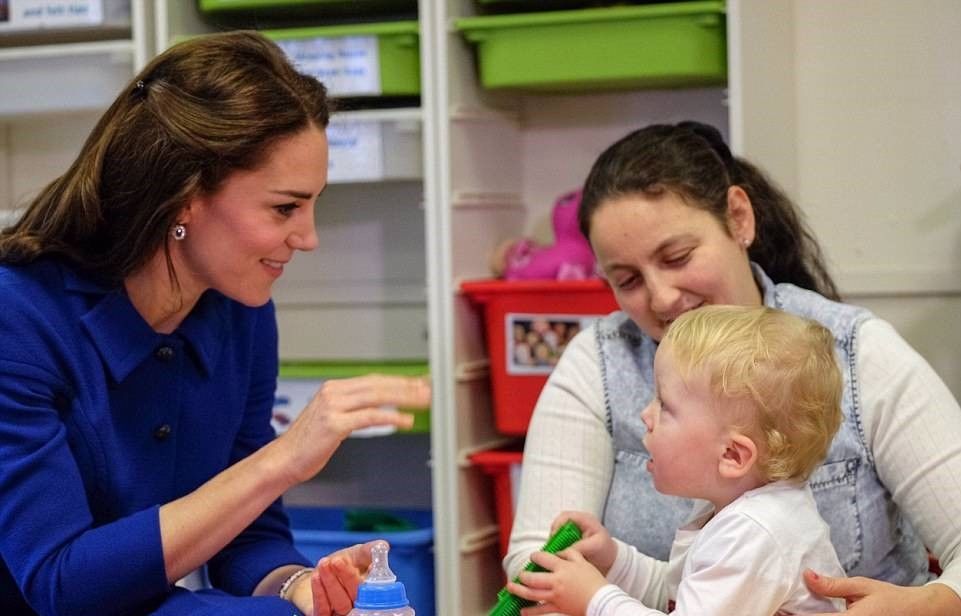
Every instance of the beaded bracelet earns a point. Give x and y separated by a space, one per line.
289 583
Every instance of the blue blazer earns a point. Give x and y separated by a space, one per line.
102 420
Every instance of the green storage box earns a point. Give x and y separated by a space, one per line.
314 372
271 8
534 5
656 46
389 52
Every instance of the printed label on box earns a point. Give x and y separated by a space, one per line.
35 14
356 152
71 13
535 341
348 65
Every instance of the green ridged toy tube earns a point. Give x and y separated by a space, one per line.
510 605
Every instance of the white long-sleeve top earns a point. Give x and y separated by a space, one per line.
911 421
746 559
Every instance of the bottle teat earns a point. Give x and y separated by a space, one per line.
379 572
380 590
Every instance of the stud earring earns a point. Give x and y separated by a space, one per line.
179 231
746 242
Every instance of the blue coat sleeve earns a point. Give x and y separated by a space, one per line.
266 544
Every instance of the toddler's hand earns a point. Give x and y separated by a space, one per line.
596 545
567 586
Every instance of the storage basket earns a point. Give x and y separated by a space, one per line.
655 46
527 324
318 531
504 467
365 59
302 8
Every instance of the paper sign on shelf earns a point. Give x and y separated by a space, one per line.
35 14
356 152
347 65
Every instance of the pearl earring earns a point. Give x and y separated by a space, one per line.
179 231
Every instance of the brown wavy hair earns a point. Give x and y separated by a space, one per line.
197 112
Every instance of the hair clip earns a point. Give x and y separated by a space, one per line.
140 89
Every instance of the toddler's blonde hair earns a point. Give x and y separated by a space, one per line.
783 366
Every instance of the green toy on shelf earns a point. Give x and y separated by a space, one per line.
510 605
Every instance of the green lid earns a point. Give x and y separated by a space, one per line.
220 6
471 25
357 29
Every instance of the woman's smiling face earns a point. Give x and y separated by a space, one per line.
240 237
663 257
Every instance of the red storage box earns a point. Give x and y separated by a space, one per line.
528 323
504 467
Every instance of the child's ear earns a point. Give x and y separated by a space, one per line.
739 457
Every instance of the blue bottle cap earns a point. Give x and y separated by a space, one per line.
381 596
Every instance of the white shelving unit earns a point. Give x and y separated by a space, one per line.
36 80
71 69
53 87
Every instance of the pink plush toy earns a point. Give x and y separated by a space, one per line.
569 258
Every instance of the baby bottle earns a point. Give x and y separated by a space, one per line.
381 594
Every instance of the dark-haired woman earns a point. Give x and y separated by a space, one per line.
677 222
140 353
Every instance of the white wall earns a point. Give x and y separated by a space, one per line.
862 125
879 139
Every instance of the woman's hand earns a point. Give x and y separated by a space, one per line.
332 588
867 597
596 544
567 586
341 406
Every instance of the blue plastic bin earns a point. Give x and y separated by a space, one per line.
318 531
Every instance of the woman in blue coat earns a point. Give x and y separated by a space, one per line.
140 352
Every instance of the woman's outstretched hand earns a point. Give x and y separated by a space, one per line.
867 597
341 406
